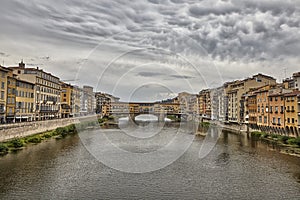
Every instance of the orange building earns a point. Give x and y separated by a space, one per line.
262 109
251 105
292 113
276 112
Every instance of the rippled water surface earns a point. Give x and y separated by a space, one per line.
236 168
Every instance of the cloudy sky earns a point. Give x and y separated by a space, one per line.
151 49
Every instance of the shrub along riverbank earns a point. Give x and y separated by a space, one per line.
17 144
291 145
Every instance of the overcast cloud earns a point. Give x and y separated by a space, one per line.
118 46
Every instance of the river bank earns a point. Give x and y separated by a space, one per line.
287 145
18 143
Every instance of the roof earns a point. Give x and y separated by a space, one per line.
4 69
276 94
24 81
294 93
35 69
297 74
266 76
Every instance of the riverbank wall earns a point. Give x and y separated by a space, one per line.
233 127
10 131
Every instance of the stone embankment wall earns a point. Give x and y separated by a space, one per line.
237 128
10 131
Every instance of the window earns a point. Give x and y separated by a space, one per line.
274 120
271 109
265 120
289 120
258 108
293 120
260 119
276 109
279 121
2 108
281 109
2 85
2 94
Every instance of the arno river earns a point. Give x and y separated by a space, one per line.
235 168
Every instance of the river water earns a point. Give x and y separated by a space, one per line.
236 168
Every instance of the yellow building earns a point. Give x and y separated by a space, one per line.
292 111
66 100
24 100
3 93
11 97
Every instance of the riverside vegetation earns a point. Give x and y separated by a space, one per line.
291 145
17 144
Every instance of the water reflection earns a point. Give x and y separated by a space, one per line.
64 169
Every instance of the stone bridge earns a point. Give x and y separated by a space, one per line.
160 115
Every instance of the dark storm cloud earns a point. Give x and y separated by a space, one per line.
228 31
3 54
181 76
149 74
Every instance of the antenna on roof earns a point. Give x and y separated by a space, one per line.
284 69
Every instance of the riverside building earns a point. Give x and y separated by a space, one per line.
46 91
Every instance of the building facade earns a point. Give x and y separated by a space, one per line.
235 92
204 103
11 97
66 100
3 93
24 101
47 91
87 101
292 113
